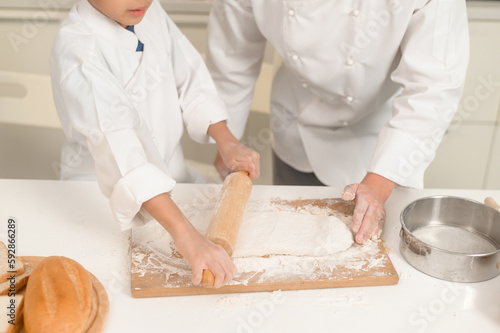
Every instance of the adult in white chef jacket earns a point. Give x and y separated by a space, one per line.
123 111
364 94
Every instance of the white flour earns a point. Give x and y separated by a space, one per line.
162 256
290 233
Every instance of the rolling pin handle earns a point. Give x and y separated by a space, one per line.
489 201
208 279
225 222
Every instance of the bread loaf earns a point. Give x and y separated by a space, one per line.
13 276
11 314
14 285
58 297
6 270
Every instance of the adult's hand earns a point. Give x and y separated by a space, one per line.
231 154
220 166
369 198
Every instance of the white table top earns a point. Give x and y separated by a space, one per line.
73 219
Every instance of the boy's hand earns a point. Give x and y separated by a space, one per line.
234 155
198 251
203 254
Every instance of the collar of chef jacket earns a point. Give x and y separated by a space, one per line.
108 28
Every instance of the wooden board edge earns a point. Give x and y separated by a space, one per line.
263 287
392 278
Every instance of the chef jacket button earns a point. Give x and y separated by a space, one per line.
355 13
344 123
349 99
305 85
349 62
291 13
295 57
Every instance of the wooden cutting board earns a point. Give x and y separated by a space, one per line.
156 274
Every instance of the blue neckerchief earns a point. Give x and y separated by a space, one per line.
140 46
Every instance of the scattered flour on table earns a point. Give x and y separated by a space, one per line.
331 298
336 300
228 305
155 241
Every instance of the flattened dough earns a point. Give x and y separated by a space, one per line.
288 233
264 232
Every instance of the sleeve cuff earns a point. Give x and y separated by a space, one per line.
237 123
132 190
402 158
207 113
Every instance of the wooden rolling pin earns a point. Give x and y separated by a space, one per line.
492 203
226 220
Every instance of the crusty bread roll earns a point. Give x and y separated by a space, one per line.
58 297
11 317
19 282
6 271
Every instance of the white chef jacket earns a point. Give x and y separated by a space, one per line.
365 86
123 111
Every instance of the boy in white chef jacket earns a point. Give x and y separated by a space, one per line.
125 80
364 94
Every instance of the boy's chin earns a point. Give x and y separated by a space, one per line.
126 23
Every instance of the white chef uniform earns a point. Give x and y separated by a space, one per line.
125 110
364 85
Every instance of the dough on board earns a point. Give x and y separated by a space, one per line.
291 233
264 231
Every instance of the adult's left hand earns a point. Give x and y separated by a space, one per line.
369 198
231 154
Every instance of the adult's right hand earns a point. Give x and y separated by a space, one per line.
369 198
220 166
